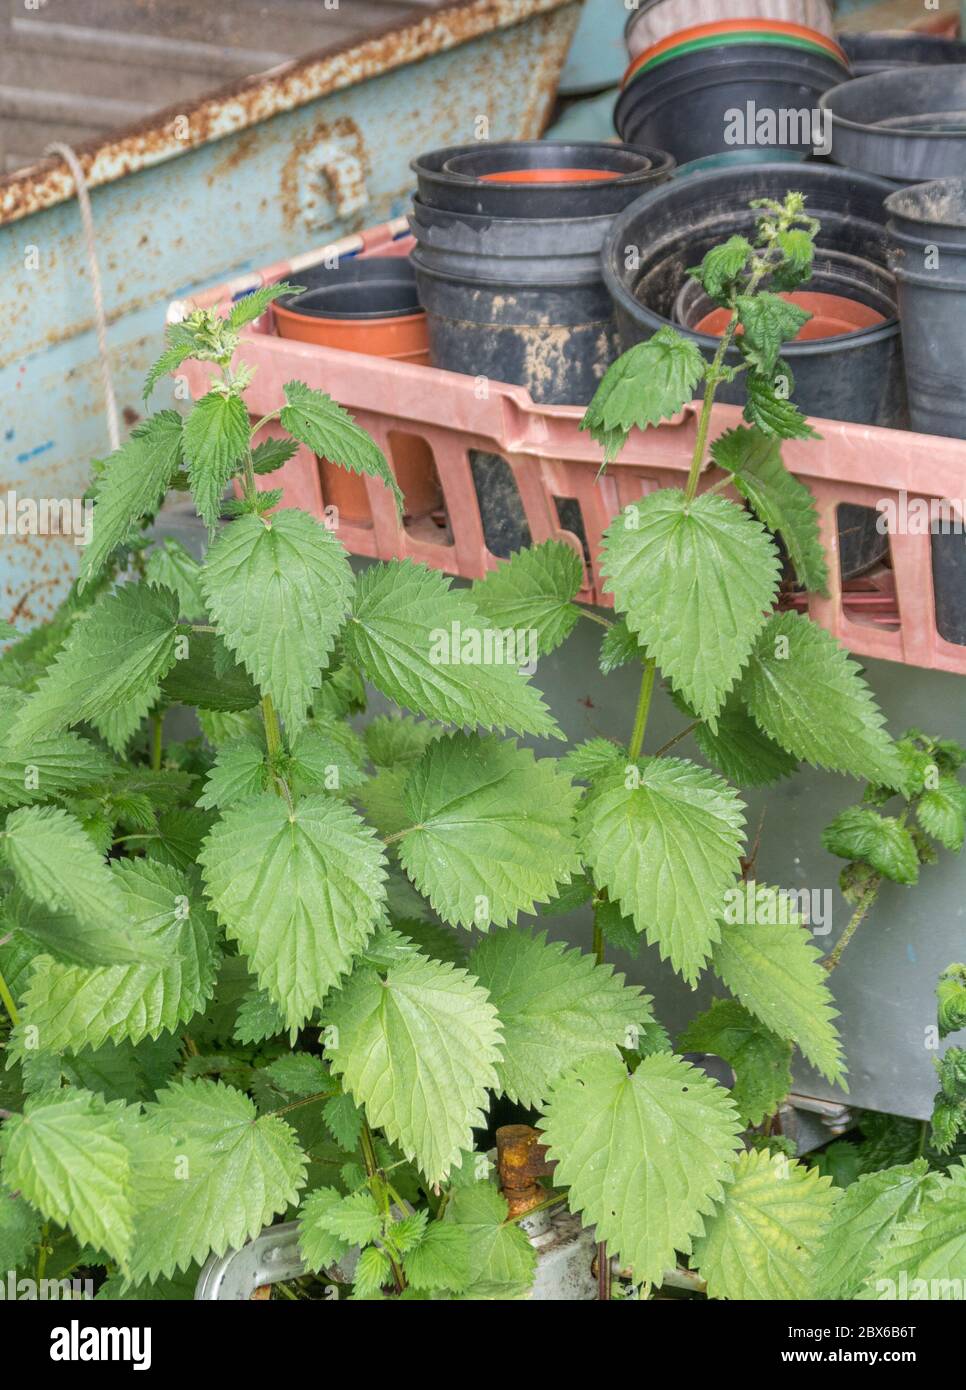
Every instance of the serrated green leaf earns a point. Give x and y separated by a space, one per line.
402 635
768 322
233 1172
134 481
326 755
318 1246
19 1230
356 1219
648 384
49 765
865 1218
644 1155
170 566
217 435
259 1018
807 695
240 771
767 960
695 581
372 1272
556 1007
592 759
533 591
760 1060
299 1074
780 501
492 830
105 940
617 930
109 670
882 842
181 344
763 1243
67 1156
443 1259
926 1255
207 675
56 865
343 1119
330 432
941 811
618 648
721 267
69 1007
740 751
273 454
951 1000
392 739
279 588
664 839
773 414
251 306
504 1259
300 891
417 1045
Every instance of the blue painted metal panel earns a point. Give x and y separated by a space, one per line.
279 187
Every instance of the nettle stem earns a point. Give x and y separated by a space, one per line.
157 725
377 1181
6 998
858 917
642 712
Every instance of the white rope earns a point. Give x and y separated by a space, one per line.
87 220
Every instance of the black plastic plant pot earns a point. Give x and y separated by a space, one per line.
365 299
856 377
717 100
632 172
352 271
874 52
927 225
908 124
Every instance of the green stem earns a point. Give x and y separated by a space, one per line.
157 725
42 1252
553 1201
273 732
857 918
273 415
923 1135
595 618
678 738
7 999
368 1146
306 1100
643 709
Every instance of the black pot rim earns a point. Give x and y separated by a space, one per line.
624 301
654 161
893 203
878 132
504 281
297 306
484 219
735 55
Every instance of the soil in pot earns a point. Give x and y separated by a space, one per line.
369 306
855 376
927 227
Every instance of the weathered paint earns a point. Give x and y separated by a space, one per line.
272 167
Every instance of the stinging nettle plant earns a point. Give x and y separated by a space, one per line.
278 966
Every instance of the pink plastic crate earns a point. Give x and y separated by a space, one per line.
889 613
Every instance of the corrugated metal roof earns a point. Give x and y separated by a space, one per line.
73 69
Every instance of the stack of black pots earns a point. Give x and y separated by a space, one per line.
508 267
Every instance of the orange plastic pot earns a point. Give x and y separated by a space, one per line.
833 315
549 176
722 28
404 337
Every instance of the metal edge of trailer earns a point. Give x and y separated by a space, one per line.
269 166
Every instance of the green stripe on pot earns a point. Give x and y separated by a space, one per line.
732 40
766 155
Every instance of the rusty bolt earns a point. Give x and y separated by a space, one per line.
521 1160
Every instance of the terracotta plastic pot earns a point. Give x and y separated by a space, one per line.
369 306
653 20
548 176
833 315
736 30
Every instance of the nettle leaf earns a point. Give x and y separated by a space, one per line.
772 413
618 648
722 266
556 1007
761 1061
240 771
279 589
273 454
768 322
372 1272
806 693
20 1226
764 1241
941 811
232 1172
56 865
67 1156
217 435
865 1218
181 344
428 648
767 960
417 1045
392 739
740 751
644 1155
587 761
258 1018
343 1119
48 765
780 501
103 941
664 838
299 1074
504 1261
882 842
109 670
67 1008
330 432
798 249
133 484
695 581
170 566
325 754
648 384
300 891
533 592
319 1247
206 675
951 1000
493 830
443 1259
251 306
927 1248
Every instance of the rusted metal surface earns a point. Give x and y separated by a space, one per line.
243 104
332 160
521 1160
